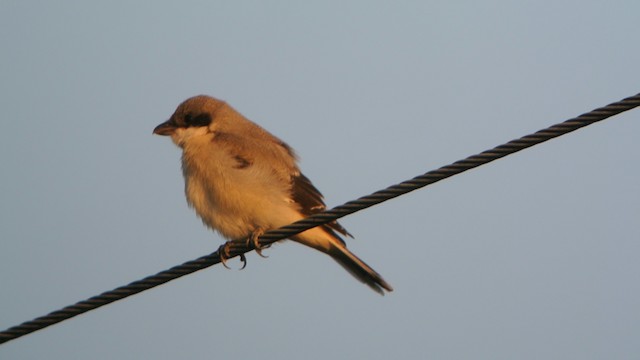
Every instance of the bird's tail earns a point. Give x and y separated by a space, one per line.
358 268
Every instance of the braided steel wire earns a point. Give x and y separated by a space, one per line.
241 246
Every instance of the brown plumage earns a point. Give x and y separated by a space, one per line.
240 179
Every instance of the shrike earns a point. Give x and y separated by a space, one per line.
242 181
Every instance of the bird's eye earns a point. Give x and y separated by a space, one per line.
202 119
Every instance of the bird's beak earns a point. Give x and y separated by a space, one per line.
166 128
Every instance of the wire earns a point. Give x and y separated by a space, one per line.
241 246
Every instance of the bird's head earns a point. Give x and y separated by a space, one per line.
193 117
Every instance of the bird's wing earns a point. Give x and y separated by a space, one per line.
308 197
281 159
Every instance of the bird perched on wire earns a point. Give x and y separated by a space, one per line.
242 181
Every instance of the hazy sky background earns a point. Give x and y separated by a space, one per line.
534 256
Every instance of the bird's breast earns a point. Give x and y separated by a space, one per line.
235 201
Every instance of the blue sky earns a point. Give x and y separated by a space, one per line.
533 256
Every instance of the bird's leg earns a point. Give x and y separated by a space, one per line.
225 253
254 238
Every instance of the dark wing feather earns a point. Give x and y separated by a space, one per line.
311 201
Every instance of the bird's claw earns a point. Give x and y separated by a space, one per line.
244 261
254 239
225 254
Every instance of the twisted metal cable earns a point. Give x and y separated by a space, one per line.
239 247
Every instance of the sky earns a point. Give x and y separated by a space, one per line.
534 256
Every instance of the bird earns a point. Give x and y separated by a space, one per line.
242 181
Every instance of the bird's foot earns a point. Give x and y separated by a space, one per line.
225 254
254 239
